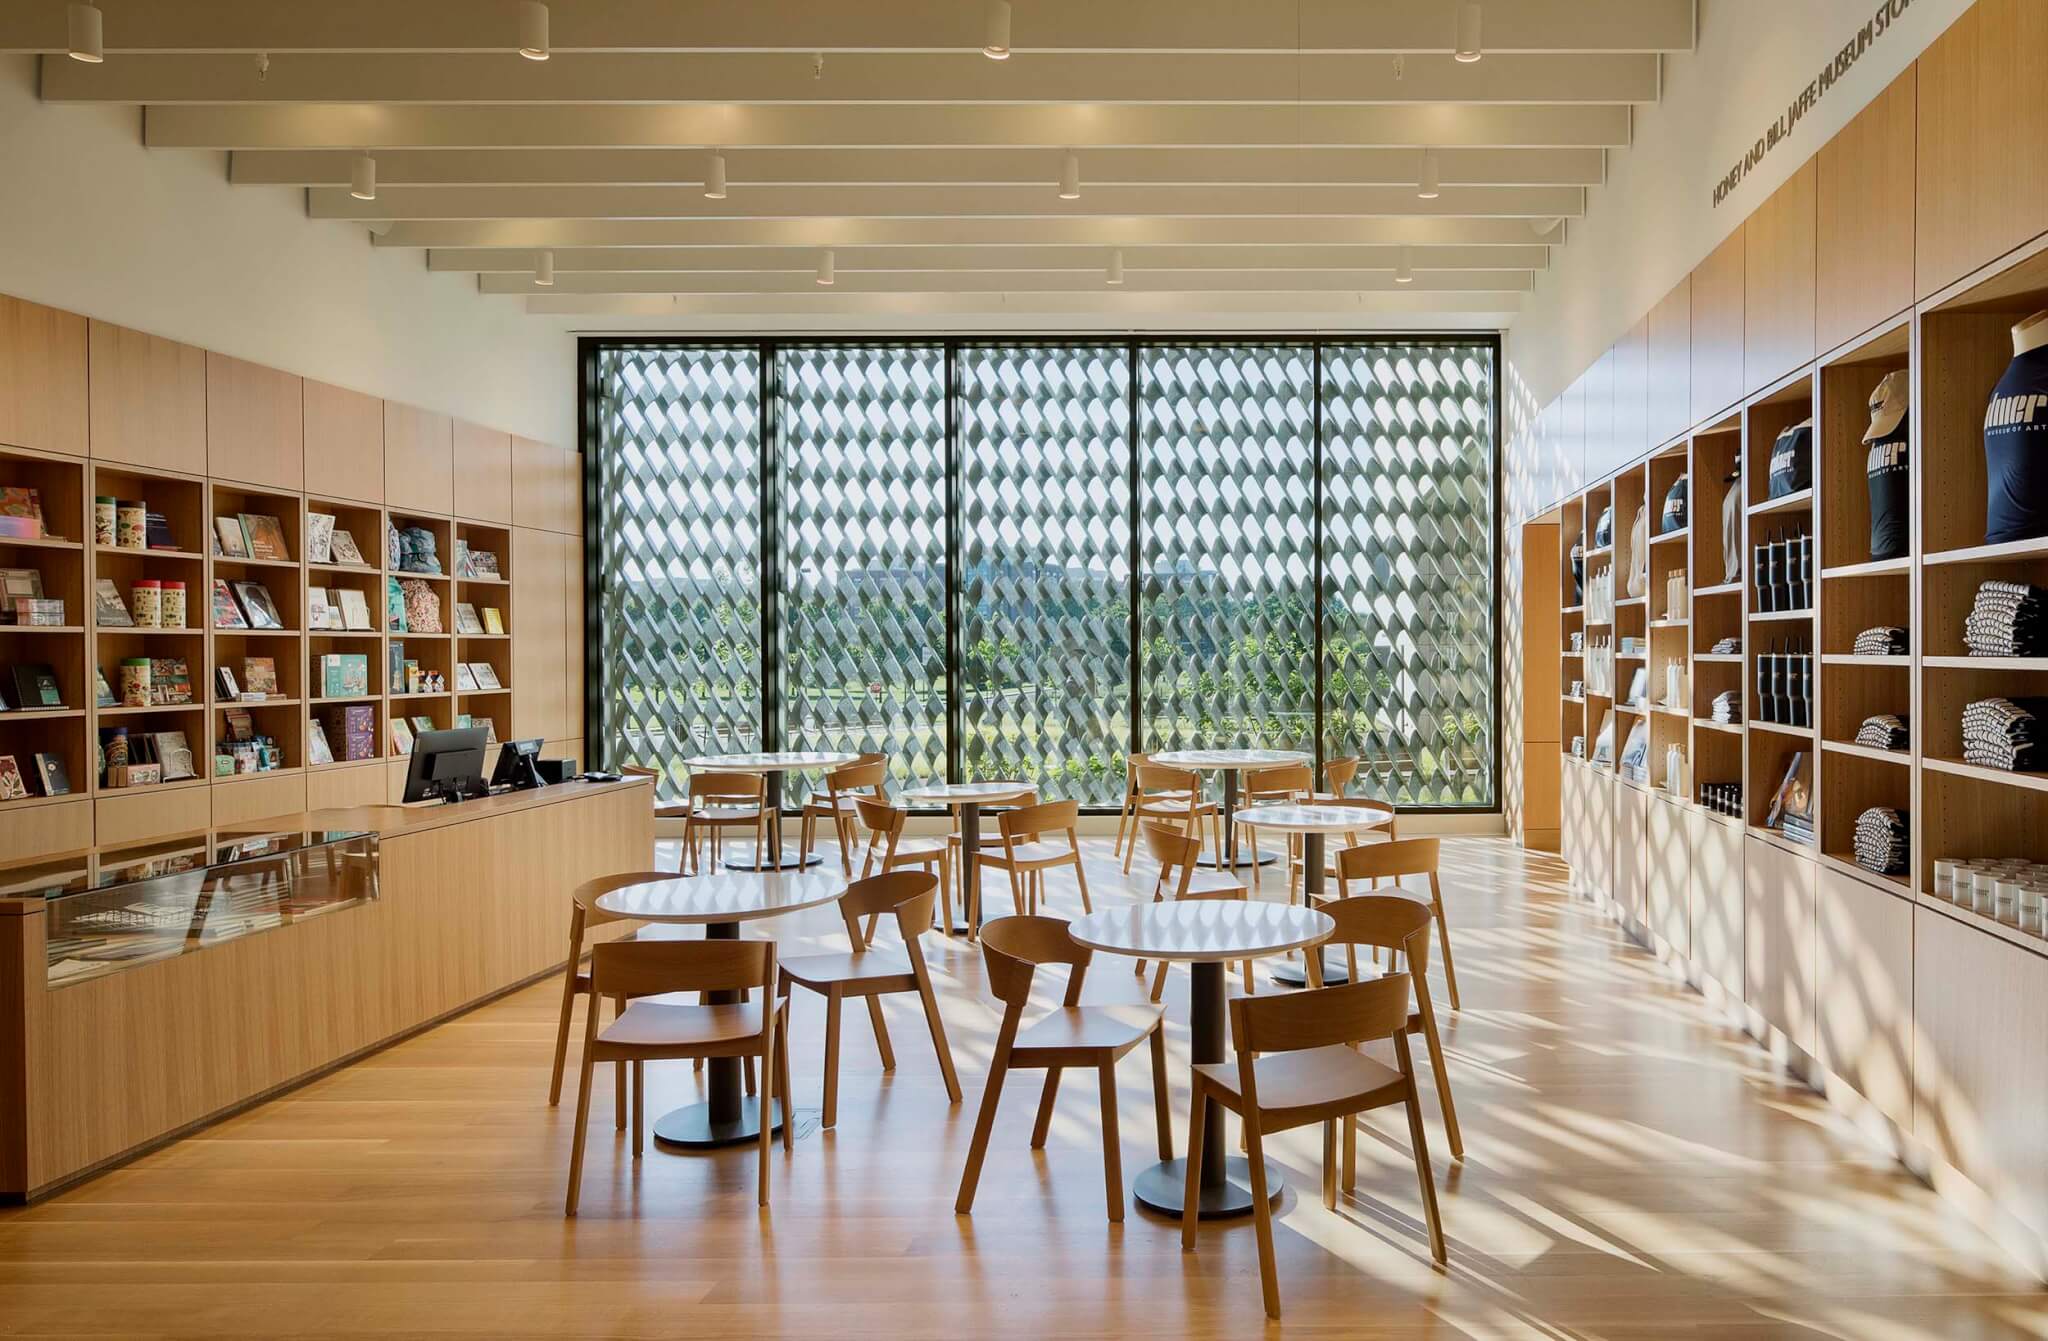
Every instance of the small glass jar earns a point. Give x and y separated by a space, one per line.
1945 878
2007 905
1983 890
2030 907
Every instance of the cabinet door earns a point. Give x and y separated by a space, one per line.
344 444
1863 969
148 400
1780 894
1632 851
1777 288
255 424
1671 873
483 473
1715 887
1571 816
419 460
1717 329
1862 240
1600 785
42 378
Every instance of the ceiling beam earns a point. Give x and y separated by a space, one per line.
701 260
1009 313
958 167
769 202
1022 281
846 25
345 126
1128 231
789 78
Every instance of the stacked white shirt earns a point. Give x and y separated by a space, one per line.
2006 734
1883 641
1881 840
2008 619
1885 731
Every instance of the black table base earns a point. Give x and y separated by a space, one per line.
1291 974
779 856
967 912
727 1116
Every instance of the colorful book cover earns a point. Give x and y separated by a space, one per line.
174 753
21 513
256 602
493 621
394 667
227 613
35 686
486 675
359 729
259 675
55 778
241 726
266 536
343 549
466 620
317 750
110 611
102 692
422 722
157 531
401 737
170 682
12 788
355 610
230 540
465 678
345 675
319 537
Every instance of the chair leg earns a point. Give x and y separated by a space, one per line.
1443 1082
1043 1124
1191 1200
1350 1154
808 834
1244 969
1112 1145
1162 1112
1159 981
1253 834
881 1032
1123 817
562 1026
1262 1212
937 1024
767 1118
1016 891
1131 850
1419 1140
782 1088
582 1124
1330 1164
946 892
618 1071
984 1121
832 1000
1443 936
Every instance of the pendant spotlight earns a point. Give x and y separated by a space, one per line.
997 44
1468 33
86 42
533 30
362 178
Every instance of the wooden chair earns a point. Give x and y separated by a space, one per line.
1296 1064
888 850
1337 776
721 801
1391 861
652 1031
1284 782
1070 1035
1176 852
844 789
872 974
1128 814
1027 856
1376 825
583 915
1174 796
1400 926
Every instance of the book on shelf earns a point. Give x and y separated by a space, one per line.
42 613
51 774
170 682
401 737
265 535
355 728
12 786
465 678
156 531
344 675
109 610
493 622
466 620
102 692
319 537
394 666
17 585
36 687
225 684
21 513
241 726
227 612
174 755
422 722
258 605
321 612
483 563
317 749
355 611
486 675
230 541
259 675
342 549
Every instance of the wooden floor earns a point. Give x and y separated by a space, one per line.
1635 1169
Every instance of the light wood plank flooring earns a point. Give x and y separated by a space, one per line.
1635 1169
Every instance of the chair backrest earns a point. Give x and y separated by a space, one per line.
1338 773
1046 816
1160 778
1012 948
1175 852
1279 780
727 786
651 968
890 892
1387 921
1388 861
1357 1012
856 777
586 895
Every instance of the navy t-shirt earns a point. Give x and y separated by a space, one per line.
1673 516
2016 452
1886 467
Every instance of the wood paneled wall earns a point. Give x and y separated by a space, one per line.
1717 326
1863 247
148 398
42 378
1778 282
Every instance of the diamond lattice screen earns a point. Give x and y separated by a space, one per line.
681 561
1408 476
860 441
1228 470
1045 566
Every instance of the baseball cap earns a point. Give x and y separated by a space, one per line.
1888 405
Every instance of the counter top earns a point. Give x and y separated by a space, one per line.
395 821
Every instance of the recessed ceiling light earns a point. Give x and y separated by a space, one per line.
714 179
997 45
1404 272
1429 185
1115 273
1468 33
827 276
362 178
533 30
85 38
1070 177
544 270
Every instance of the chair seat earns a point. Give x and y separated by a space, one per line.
725 814
825 970
1311 1078
1214 882
1110 1029
918 847
1170 809
649 1023
1025 854
821 804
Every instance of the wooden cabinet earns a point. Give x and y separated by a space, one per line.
1863 238
148 398
257 797
1667 339
344 443
1631 838
1571 815
339 788
1981 172
1778 282
255 424
42 378
419 459
1715 890
150 812
1863 991
1670 883
1779 896
1632 393
483 473
1717 329
540 598
1597 868
547 487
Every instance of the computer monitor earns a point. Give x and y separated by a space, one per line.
518 765
446 765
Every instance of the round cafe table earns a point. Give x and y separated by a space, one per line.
967 798
772 765
1231 764
1209 934
1313 823
719 902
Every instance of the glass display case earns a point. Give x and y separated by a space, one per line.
115 908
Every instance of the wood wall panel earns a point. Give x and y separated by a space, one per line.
540 599
1863 991
349 785
547 487
43 399
1631 838
148 398
573 639
62 827
149 812
344 443
1632 393
1779 901
1670 884
1599 847
1667 336
419 459
258 798
255 424
1717 902
483 473
1981 170
1717 329
1863 240
1778 282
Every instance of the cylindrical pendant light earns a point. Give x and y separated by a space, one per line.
86 35
1070 177
544 269
533 30
714 178
827 276
1428 185
997 44
1404 272
1468 32
362 178
1115 273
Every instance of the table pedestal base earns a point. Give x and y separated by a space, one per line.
1164 1186
692 1128
751 857
1292 974
1236 861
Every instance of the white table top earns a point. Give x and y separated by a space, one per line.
1236 760
781 761
1203 929
1283 817
723 896
967 793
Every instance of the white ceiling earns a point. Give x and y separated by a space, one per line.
1243 157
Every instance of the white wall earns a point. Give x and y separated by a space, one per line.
1654 220
94 223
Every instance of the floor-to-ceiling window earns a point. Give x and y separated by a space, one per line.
943 551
